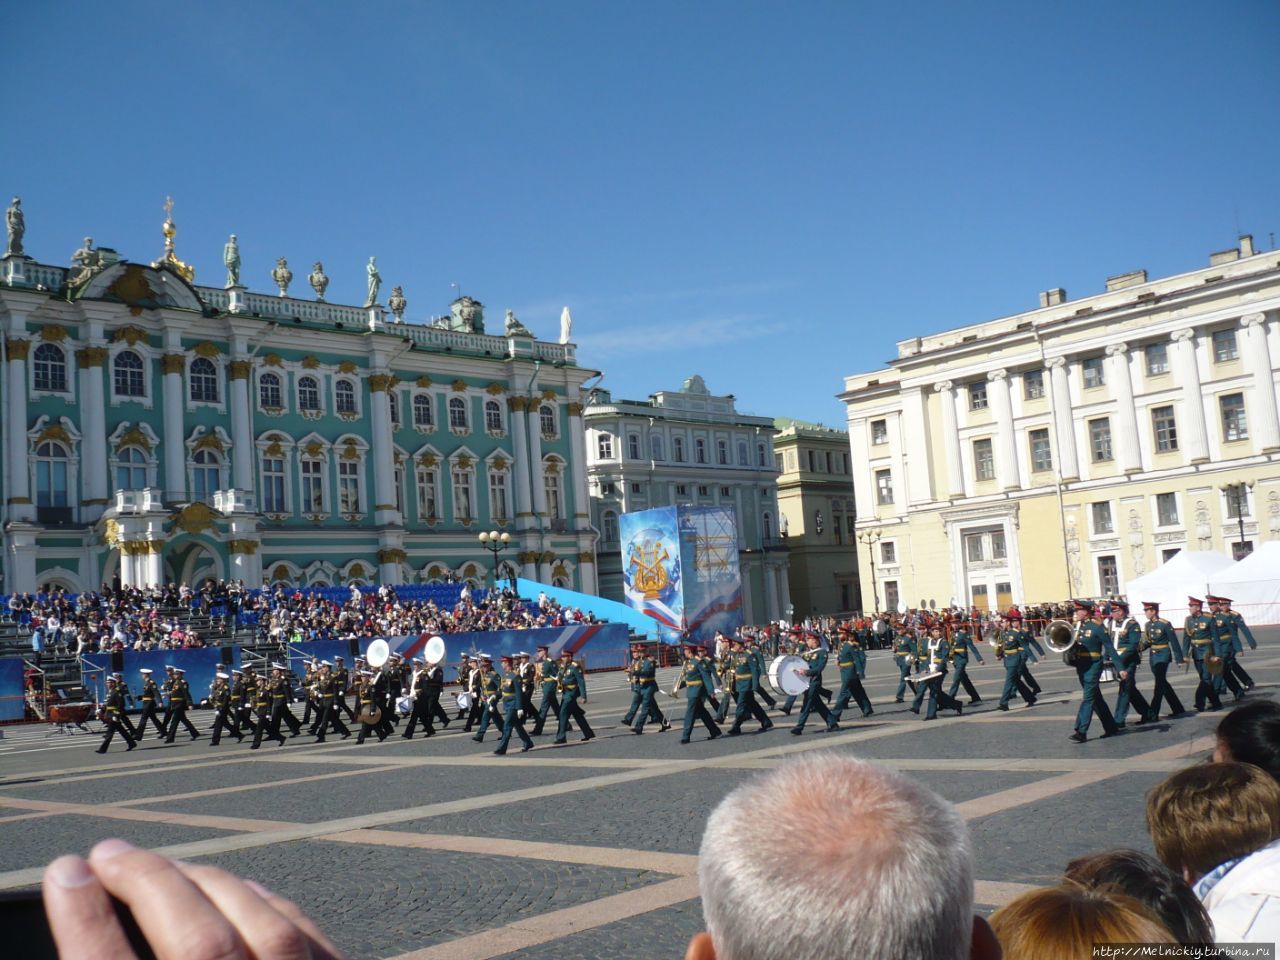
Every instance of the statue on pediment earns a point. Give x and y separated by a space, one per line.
231 260
467 315
514 328
85 262
16 227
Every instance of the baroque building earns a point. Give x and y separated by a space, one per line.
1072 448
815 498
692 447
157 430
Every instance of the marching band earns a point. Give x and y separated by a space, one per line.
1103 642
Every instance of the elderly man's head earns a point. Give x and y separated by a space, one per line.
896 855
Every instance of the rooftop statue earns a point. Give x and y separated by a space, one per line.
514 328
467 315
85 262
283 276
319 282
397 303
375 281
566 325
231 259
16 226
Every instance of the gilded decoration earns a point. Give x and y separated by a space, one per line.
313 449
527 556
586 556
384 506
18 349
356 571
131 335
428 460
111 533
518 404
53 333
548 556
195 518
207 350
210 441
347 366
392 555
310 363
273 449
239 369
134 437
459 385
380 382
273 360
552 468
247 547
54 431
499 463
559 570
575 409
281 572
350 452
464 462
495 388
131 288
398 458
423 381
173 363
89 357
548 394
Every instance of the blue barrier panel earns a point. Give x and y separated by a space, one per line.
602 645
608 610
12 705
300 653
200 666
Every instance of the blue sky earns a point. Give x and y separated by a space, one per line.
767 194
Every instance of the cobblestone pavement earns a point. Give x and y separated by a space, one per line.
436 848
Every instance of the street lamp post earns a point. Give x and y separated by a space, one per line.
1239 496
870 537
495 542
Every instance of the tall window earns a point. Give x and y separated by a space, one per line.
1237 498
399 473
1157 357
1108 576
722 452
309 394
884 487
677 449
1100 439
463 509
498 509
655 448
51 475
204 381
1165 429
978 395
888 552
1033 384
344 396
393 406
879 431
547 420
1092 373
492 416
984 463
998 549
312 486
762 455
205 474
422 416
131 469
609 521
127 375
428 498
743 459
1224 346
269 396
1041 452
699 450
633 446
1101 516
604 446
974 548
555 504
348 486
458 414
49 367
1167 509
273 480
1234 424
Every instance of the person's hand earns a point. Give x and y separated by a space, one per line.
1124 674
185 911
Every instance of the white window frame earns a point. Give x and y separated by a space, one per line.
219 384
272 410
498 480
465 428
356 412
1156 369
1242 432
604 445
423 428
310 413
147 356
494 431
548 415
68 393
1177 509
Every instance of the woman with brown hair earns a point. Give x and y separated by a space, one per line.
1164 894
1067 922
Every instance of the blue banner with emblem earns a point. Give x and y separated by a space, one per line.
711 577
652 570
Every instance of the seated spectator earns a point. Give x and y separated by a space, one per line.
830 856
1218 825
1161 891
1066 922
1251 734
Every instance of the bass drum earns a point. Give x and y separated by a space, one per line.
785 678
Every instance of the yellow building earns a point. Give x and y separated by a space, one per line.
1070 449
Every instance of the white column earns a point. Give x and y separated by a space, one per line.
127 564
915 426
581 512
19 493
149 566
173 442
785 586
93 433
1257 360
951 432
384 467
534 428
1187 372
1129 447
1006 450
860 463
770 592
1063 424
524 506
242 452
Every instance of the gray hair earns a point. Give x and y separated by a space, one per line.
832 856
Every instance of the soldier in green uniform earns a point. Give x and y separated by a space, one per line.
1162 640
646 677
179 701
150 697
862 636
1012 644
762 670
937 656
961 646
547 673
1225 642
850 681
1238 627
510 688
745 678
486 685
816 661
1127 641
697 682
1197 636
1094 647
571 685
904 653
112 712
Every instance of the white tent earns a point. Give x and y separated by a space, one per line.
1189 573
1253 584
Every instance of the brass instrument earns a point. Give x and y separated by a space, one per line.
1214 664
1060 637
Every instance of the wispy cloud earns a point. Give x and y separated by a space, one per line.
686 334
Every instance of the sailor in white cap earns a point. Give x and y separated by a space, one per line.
112 711
179 701
220 701
342 681
281 692
150 701
326 686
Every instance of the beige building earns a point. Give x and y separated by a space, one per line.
1069 449
815 500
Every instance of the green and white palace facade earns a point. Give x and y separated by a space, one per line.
156 430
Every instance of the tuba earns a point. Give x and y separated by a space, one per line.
1059 636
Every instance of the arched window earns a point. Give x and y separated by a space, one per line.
204 381
205 475
344 394
655 448
604 446
492 416
422 415
127 375
547 419
308 393
610 523
51 475
49 365
393 403
457 413
269 391
131 469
